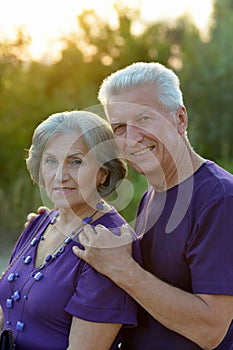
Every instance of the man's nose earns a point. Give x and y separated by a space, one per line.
133 135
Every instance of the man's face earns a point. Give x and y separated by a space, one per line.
146 133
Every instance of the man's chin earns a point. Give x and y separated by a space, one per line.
136 167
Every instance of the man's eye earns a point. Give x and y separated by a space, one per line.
119 129
76 161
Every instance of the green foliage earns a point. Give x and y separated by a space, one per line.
16 202
207 82
30 91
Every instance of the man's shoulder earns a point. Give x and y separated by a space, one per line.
214 180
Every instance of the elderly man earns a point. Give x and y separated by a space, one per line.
184 220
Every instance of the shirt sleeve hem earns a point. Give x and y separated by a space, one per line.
125 317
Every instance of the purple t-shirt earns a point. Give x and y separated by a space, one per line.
189 244
40 310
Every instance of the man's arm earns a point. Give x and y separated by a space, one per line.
204 319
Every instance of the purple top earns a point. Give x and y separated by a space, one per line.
188 244
38 304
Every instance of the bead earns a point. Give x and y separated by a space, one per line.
48 258
53 220
25 297
34 241
38 276
42 238
11 277
16 295
27 260
16 275
62 249
19 326
68 240
86 220
8 323
100 206
9 303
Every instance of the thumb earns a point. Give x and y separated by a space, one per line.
80 253
127 233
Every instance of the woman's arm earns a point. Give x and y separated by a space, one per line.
1 318
85 335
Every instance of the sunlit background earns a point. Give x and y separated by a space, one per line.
55 54
47 20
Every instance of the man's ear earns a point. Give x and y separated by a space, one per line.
182 120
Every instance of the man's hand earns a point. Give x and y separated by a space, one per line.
32 216
106 252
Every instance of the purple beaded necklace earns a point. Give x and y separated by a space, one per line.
37 273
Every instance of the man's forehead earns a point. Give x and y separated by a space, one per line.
124 111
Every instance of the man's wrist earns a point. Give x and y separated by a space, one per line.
126 276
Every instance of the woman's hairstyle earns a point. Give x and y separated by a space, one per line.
164 80
96 134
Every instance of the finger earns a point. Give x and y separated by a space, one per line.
100 229
127 233
42 209
30 218
80 253
84 238
89 231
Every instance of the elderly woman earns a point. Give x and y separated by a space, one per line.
50 299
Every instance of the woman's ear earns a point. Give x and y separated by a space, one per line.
103 175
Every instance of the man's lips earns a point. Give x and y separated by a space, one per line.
142 152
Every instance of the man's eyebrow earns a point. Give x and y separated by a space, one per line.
116 123
75 154
136 116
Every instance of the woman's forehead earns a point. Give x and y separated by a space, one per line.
66 142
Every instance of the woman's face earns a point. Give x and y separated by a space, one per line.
70 174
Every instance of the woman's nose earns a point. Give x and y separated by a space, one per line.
62 173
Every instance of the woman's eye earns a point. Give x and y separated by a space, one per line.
49 161
145 117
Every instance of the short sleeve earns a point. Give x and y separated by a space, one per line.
210 249
98 299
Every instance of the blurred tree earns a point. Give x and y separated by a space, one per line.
208 84
30 91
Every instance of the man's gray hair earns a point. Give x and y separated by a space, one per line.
164 80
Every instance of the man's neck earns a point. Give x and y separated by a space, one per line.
175 174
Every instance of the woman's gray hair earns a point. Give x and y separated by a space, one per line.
97 135
165 81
